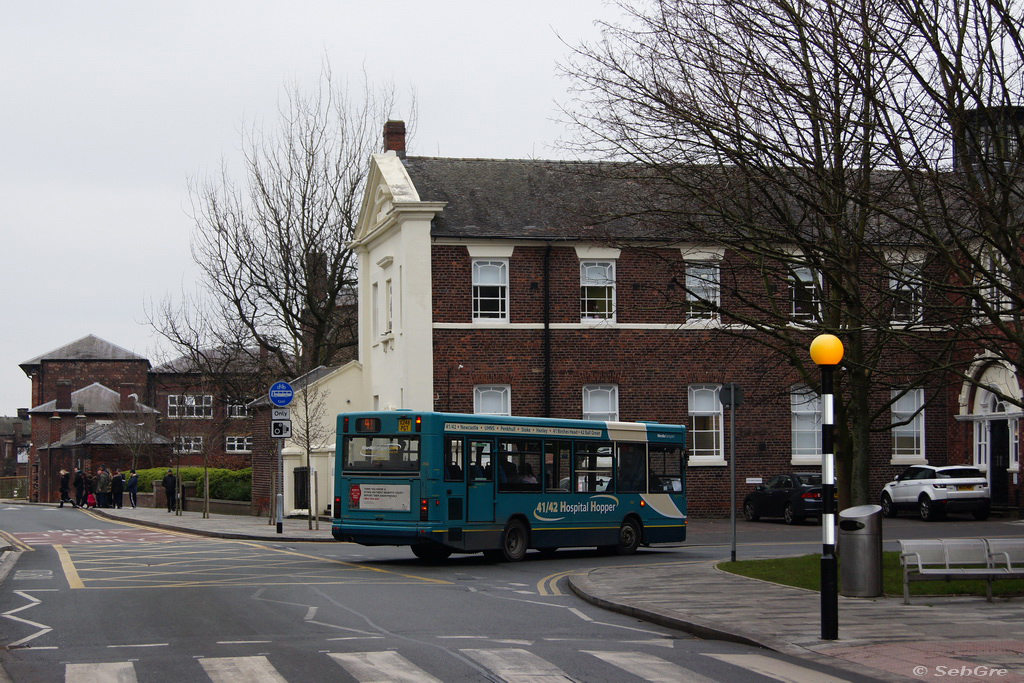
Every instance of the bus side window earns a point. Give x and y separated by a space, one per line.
666 469
632 473
557 458
480 461
593 468
453 460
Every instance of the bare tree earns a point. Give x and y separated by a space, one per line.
273 249
768 128
310 431
955 130
134 430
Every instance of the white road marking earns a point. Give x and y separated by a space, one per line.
101 672
381 667
241 670
777 669
9 614
653 669
514 665
580 614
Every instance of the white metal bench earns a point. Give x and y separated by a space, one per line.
1007 555
961 558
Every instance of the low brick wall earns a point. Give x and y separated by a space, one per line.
158 499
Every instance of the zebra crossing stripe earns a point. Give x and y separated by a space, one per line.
241 670
381 667
513 665
516 665
777 669
653 669
102 672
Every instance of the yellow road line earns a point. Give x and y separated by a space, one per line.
74 581
20 545
549 584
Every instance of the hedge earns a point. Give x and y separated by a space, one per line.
224 484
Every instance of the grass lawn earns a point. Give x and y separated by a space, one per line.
805 572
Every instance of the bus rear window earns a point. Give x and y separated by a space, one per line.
382 454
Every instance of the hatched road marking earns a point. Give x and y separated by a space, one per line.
201 562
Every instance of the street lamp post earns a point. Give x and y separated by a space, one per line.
826 352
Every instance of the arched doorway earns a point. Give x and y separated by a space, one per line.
995 421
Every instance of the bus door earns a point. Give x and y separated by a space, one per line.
480 480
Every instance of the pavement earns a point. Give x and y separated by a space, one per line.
966 638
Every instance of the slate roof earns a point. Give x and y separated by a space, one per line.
528 199
299 383
106 435
219 359
93 399
89 347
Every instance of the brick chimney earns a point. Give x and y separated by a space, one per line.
128 397
80 423
63 394
54 428
394 138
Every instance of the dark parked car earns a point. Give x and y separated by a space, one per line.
794 497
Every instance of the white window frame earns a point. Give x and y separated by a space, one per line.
492 399
190 406
991 280
808 282
238 444
703 402
389 306
597 288
601 402
904 406
805 421
239 410
907 293
188 444
703 290
490 274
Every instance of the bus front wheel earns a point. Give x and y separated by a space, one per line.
629 537
514 541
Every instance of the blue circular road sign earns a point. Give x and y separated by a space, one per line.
281 394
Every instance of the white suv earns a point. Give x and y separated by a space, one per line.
933 491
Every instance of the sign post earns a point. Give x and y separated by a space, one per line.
281 394
732 395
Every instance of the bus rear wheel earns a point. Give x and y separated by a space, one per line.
431 553
514 541
629 537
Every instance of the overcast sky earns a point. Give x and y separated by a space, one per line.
110 107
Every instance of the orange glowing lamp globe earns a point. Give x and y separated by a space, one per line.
826 349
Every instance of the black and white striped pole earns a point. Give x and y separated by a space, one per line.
826 352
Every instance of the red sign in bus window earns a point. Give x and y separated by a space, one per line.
354 494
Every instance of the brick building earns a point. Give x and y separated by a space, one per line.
525 307
94 402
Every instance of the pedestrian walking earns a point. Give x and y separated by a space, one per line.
132 487
65 488
117 489
79 483
171 489
101 487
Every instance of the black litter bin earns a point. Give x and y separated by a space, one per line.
860 551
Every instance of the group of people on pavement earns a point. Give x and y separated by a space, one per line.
103 490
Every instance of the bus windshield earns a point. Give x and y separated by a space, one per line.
382 454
